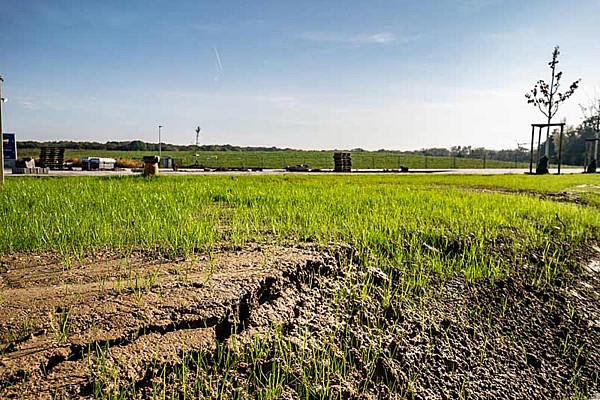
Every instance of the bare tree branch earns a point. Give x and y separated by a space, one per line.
546 97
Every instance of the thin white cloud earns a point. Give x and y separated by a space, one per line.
27 104
379 38
358 39
473 5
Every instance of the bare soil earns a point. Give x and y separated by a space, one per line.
140 307
62 321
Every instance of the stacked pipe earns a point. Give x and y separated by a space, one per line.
342 162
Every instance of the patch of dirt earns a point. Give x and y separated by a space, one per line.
64 330
141 310
503 340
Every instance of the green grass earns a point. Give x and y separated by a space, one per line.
183 214
417 230
399 218
280 159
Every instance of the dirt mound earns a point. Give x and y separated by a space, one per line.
57 320
286 322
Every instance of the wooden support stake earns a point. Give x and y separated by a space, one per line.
560 148
531 151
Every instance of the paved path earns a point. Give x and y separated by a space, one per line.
490 171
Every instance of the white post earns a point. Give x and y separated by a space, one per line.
159 147
1 136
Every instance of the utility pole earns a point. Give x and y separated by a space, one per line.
159 148
1 135
198 129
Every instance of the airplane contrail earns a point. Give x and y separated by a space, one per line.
218 63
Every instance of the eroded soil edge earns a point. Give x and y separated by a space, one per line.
319 323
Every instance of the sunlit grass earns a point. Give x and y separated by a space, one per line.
417 231
394 216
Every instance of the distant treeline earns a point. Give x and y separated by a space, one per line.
520 154
513 155
573 147
574 143
138 145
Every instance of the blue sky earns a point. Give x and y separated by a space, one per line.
303 74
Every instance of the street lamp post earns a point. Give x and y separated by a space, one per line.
2 100
159 148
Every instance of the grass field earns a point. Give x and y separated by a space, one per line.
281 159
180 214
403 243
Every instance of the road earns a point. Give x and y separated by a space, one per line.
489 171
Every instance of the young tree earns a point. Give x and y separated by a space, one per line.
547 98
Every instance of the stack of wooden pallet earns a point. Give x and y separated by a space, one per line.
342 162
53 157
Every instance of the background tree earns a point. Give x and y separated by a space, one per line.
137 145
591 114
591 122
547 98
